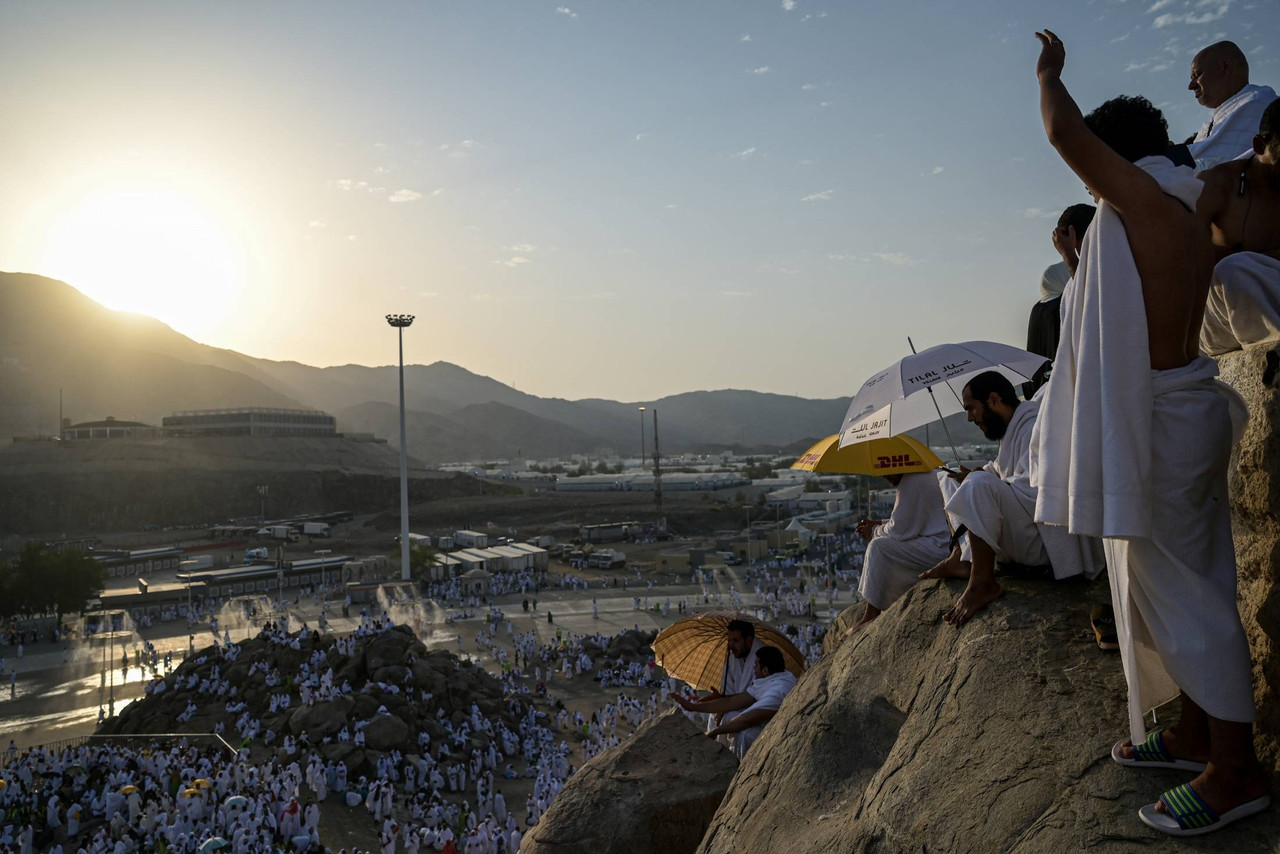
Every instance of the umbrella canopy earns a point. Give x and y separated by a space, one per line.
694 649
191 793
892 455
213 843
896 399
235 801
128 790
4 784
201 783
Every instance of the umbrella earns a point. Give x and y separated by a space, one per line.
128 790
694 650
893 455
191 793
213 843
4 784
235 801
201 783
889 402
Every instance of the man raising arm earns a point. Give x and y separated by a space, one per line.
1134 448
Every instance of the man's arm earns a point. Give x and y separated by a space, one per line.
715 705
746 720
1123 185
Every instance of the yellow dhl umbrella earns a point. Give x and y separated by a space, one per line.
894 455
202 783
191 793
128 790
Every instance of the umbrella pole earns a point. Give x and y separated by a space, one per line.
938 409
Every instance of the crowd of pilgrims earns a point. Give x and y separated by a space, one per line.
112 797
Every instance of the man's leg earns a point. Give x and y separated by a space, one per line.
952 566
983 589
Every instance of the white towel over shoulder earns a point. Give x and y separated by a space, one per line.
1091 455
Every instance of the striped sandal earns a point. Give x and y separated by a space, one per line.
1152 754
1189 815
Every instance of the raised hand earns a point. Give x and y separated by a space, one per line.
1053 55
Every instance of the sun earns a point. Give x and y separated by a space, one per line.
148 249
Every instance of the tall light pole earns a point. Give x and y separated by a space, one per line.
641 409
400 321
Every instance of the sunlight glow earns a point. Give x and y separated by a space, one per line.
150 249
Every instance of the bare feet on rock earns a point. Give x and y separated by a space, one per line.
976 596
952 567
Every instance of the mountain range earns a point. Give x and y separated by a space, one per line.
133 367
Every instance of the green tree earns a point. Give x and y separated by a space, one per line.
603 468
42 581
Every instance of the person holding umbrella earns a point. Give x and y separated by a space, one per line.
744 714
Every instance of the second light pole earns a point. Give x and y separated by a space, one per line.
400 322
641 408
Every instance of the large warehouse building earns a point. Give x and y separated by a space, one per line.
251 421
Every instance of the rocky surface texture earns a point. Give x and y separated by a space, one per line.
655 792
395 656
915 736
1255 517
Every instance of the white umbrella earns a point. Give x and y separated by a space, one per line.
926 386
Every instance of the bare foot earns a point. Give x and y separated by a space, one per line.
952 567
867 616
975 597
1227 789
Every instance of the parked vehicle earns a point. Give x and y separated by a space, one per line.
315 529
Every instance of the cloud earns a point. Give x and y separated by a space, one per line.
513 262
351 237
1135 66
672 207
764 69
640 137
1215 10
746 37
404 196
315 223
823 196
731 294
565 10
897 259
937 170
744 154
521 247
1164 66
788 5
841 256
809 87
1160 4
1038 213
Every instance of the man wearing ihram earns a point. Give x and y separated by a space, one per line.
1134 448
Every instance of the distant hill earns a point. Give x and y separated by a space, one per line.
134 367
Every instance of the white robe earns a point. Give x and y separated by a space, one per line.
1139 457
915 538
1243 309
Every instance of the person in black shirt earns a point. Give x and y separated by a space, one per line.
1046 320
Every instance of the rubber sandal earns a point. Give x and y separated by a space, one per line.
1189 815
1152 754
1103 621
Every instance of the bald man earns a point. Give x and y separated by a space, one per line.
1220 81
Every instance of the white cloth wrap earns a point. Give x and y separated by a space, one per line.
769 693
737 677
1091 455
914 539
1229 134
1175 591
1243 309
994 512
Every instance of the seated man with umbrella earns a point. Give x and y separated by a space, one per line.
746 713
997 502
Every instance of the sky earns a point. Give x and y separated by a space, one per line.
600 199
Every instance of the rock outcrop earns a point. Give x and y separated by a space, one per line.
1255 518
654 792
913 736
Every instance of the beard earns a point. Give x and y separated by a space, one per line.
992 425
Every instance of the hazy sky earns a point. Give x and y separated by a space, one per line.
599 199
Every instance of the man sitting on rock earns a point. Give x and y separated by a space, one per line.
746 713
913 539
741 645
1241 200
996 502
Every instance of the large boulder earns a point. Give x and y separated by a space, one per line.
913 735
384 732
654 792
1255 518
322 719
